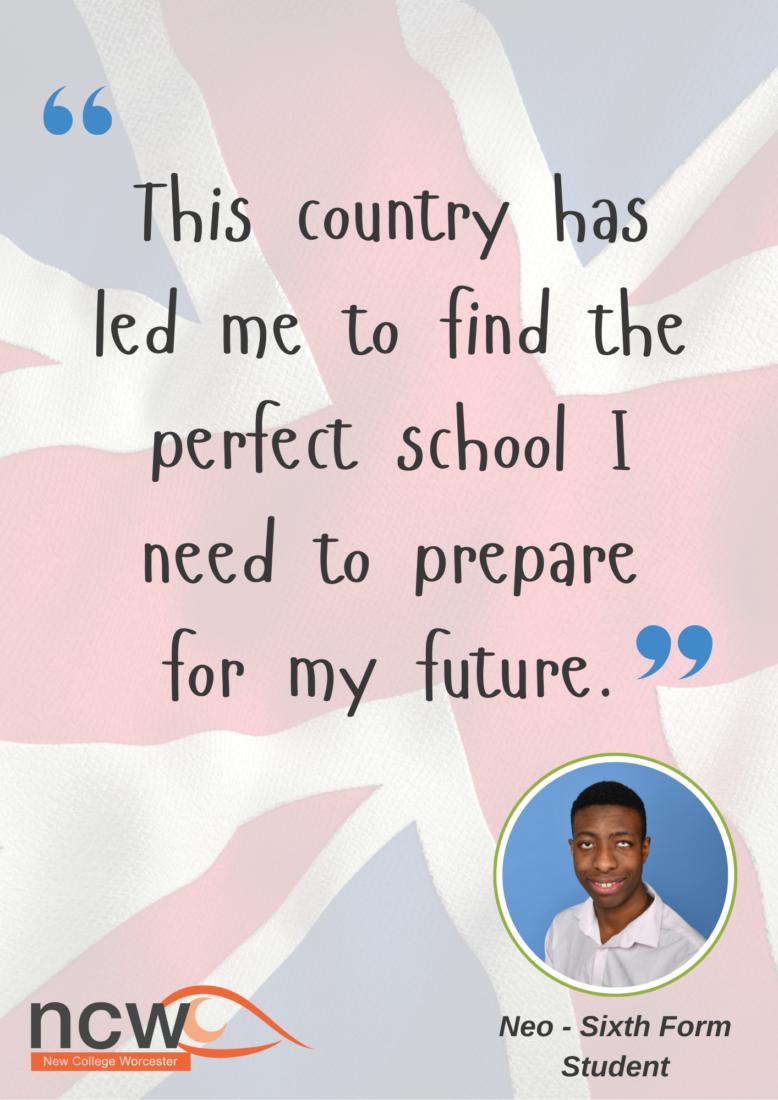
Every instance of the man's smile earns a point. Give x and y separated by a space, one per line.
606 886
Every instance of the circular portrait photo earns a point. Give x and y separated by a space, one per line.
615 874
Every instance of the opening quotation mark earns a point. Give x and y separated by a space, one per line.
58 119
694 642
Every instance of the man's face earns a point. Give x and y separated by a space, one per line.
608 853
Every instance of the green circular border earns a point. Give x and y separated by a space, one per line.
581 760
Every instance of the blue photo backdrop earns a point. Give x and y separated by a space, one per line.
687 863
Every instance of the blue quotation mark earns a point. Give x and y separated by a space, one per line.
694 642
58 119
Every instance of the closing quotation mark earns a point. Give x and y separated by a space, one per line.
58 119
694 642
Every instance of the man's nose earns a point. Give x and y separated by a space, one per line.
605 860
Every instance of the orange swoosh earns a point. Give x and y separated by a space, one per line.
236 1052
220 991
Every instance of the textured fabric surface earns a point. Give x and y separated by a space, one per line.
267 842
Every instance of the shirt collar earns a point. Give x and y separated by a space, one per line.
644 929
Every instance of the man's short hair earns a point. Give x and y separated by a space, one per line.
610 793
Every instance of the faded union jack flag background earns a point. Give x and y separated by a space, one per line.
336 870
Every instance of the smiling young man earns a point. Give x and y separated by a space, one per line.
623 934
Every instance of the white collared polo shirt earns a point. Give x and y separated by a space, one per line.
654 944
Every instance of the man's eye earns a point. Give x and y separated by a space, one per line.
625 843
586 844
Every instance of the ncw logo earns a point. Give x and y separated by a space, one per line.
185 1023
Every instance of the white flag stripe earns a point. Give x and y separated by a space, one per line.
460 47
116 402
